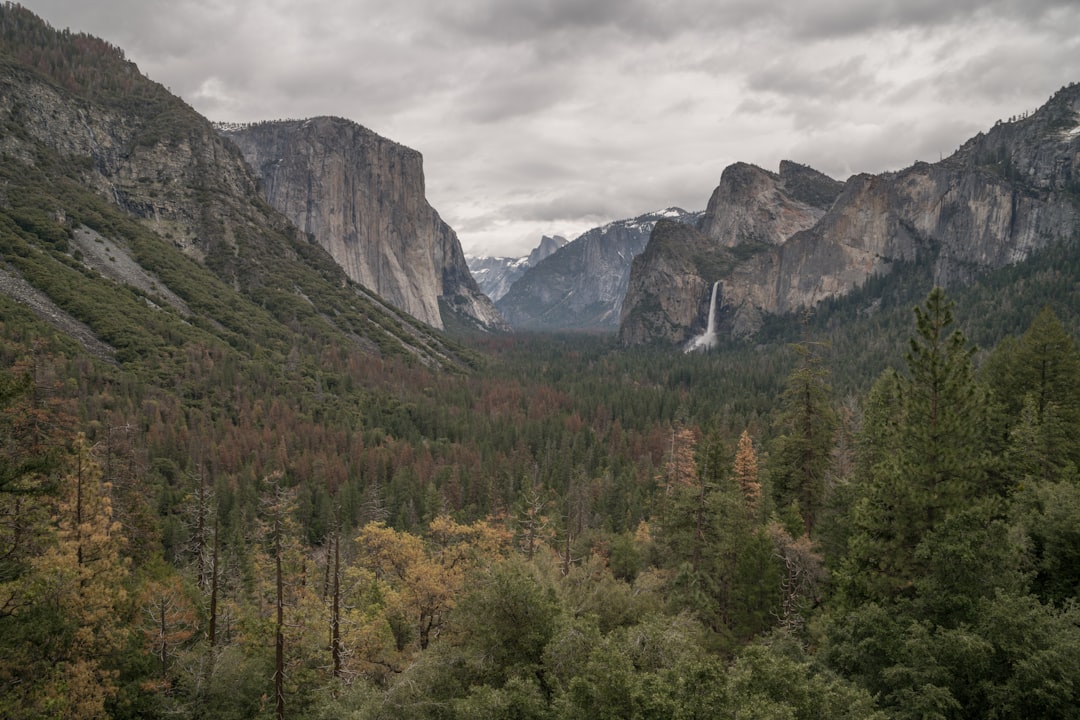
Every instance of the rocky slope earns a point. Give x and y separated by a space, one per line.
1003 195
361 197
95 156
582 286
752 206
495 275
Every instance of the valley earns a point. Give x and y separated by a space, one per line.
267 450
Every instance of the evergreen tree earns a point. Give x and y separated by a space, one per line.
1035 381
725 568
746 471
926 455
70 616
802 454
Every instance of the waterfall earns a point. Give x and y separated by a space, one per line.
710 329
708 339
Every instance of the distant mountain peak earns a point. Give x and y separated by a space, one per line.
581 286
495 275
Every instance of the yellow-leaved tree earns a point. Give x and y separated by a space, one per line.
419 578
76 589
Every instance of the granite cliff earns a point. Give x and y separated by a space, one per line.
752 206
361 197
582 285
1003 195
678 262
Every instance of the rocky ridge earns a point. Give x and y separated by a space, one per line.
82 126
1003 195
753 206
582 285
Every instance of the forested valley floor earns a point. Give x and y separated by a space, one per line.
568 530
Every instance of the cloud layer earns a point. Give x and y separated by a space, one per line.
553 116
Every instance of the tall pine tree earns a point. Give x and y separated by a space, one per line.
803 453
928 430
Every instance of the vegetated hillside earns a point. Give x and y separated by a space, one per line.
570 488
92 146
225 514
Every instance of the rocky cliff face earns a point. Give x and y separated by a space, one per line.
1002 196
495 275
361 197
82 125
153 156
582 286
752 206
669 291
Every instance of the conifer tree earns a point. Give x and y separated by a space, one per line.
803 453
168 620
1035 381
279 534
924 455
725 569
82 580
746 471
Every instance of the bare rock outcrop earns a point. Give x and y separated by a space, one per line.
361 197
755 206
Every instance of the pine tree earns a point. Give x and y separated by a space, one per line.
279 533
746 471
942 433
168 621
803 453
82 579
725 569
1036 381
924 455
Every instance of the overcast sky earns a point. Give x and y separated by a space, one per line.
553 116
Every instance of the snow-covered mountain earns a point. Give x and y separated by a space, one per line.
581 286
495 275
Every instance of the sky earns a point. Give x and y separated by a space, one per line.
545 117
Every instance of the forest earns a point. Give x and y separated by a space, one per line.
567 530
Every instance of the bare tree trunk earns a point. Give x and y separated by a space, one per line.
164 645
200 530
79 507
335 622
214 589
279 638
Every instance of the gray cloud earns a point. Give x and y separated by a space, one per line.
552 116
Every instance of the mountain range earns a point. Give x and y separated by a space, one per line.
581 286
779 243
155 227
495 275
242 468
285 212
